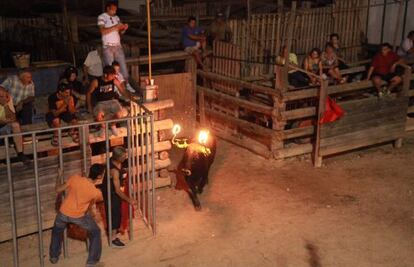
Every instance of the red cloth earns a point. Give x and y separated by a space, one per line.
382 64
125 210
332 112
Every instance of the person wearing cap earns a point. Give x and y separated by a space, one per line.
62 107
22 90
111 27
219 30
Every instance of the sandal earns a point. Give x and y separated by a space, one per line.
55 141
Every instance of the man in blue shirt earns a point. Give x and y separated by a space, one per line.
194 40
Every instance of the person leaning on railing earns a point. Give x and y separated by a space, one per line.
9 123
81 193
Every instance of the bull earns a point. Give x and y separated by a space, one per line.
195 165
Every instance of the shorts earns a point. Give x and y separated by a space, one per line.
5 129
387 77
64 116
107 107
191 49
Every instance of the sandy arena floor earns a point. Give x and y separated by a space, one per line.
357 210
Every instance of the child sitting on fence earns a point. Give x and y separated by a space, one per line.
62 107
313 64
330 64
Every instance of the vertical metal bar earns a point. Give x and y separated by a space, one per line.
108 185
38 207
85 162
147 152
404 19
131 232
154 197
12 205
142 172
65 236
383 20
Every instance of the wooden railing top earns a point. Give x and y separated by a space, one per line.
160 58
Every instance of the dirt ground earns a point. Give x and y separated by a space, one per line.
357 210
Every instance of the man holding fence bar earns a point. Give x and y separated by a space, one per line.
81 193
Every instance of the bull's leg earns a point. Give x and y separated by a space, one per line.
203 182
193 193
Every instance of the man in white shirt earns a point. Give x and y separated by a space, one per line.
93 67
406 49
111 27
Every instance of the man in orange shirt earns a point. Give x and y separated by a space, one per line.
80 194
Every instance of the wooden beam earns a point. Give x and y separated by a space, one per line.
224 98
254 87
160 58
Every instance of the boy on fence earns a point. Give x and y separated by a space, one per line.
81 193
384 68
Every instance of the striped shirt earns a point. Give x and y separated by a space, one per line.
17 90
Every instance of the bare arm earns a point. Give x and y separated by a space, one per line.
124 91
370 71
105 31
60 187
92 87
117 186
196 37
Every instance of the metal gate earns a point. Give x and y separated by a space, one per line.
34 212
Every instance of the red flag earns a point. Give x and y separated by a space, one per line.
332 112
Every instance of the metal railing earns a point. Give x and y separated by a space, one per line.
141 172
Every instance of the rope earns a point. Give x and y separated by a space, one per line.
149 40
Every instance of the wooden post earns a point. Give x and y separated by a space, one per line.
68 31
321 109
398 23
404 93
201 107
74 29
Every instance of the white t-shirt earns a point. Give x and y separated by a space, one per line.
94 63
112 38
406 45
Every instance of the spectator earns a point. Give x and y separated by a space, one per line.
9 124
383 68
313 64
295 77
22 90
110 26
194 40
81 193
92 67
121 79
406 49
107 99
69 78
219 30
62 107
117 175
334 41
330 63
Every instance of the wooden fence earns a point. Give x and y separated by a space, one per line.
261 37
181 11
280 123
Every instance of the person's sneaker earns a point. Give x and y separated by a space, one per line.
53 260
114 130
116 243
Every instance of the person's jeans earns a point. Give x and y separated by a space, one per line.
115 53
86 222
